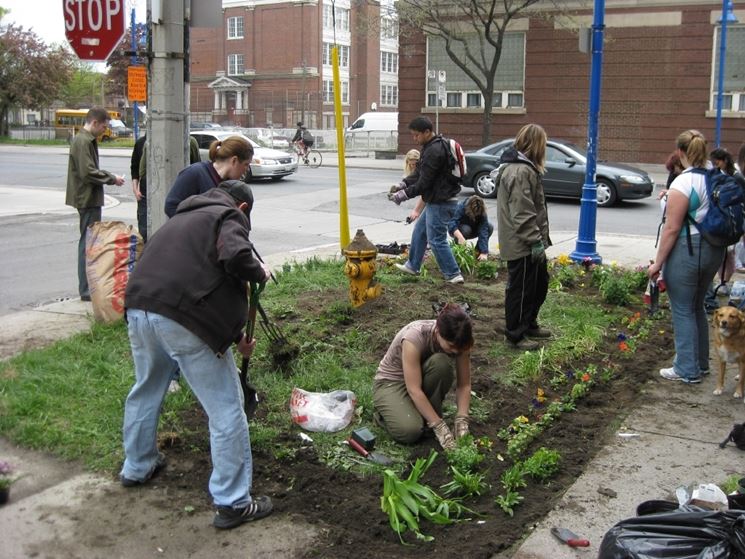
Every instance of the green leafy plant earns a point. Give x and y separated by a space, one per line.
513 478
465 456
465 256
486 269
6 475
407 501
509 501
464 484
543 464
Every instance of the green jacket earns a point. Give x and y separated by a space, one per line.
522 219
84 179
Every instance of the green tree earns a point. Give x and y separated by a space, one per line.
83 89
31 73
473 33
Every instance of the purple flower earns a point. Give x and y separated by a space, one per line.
537 403
621 337
569 374
5 468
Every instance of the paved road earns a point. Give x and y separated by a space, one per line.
295 216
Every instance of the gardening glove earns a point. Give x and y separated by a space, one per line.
461 426
396 187
443 434
537 252
398 196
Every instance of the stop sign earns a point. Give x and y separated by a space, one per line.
94 27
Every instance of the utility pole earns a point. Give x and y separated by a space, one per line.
166 121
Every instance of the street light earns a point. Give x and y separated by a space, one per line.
728 16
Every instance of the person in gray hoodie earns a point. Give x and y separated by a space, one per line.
522 221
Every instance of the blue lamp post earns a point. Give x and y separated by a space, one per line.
586 244
728 16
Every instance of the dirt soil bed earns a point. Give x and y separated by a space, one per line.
347 507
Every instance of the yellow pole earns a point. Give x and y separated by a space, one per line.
343 212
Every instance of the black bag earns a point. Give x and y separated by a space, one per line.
689 532
737 436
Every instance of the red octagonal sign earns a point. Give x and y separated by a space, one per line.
94 27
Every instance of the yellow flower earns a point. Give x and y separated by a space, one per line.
523 419
564 259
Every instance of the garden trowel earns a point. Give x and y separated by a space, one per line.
569 537
375 457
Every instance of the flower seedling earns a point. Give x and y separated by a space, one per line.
464 484
466 456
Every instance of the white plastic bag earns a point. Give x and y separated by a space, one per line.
322 411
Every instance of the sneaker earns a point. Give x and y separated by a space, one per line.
705 372
173 386
456 279
228 517
160 463
524 344
670 374
538 333
406 269
86 298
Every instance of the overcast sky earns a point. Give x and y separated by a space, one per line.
46 19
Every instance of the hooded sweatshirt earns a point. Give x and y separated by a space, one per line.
194 270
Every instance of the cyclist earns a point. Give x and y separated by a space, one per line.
303 138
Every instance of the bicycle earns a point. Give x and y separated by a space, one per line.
312 158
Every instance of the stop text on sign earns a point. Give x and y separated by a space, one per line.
91 15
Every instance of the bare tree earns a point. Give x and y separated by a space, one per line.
473 34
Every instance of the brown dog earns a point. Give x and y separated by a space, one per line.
729 340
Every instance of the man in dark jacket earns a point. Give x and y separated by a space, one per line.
186 305
433 180
139 185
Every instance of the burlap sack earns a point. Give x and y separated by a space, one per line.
111 250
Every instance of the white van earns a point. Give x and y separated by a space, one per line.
374 122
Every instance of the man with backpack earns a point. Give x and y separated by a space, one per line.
436 182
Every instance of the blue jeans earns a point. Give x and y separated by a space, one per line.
432 228
159 347
688 277
88 216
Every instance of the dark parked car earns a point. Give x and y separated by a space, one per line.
565 174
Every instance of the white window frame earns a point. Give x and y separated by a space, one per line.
344 51
503 102
233 32
388 95
235 63
736 98
327 91
389 62
388 28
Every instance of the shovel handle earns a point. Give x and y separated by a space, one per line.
578 543
358 447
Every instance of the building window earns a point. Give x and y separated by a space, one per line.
508 80
342 18
389 62
235 27
235 64
389 95
388 28
343 51
328 92
473 100
733 86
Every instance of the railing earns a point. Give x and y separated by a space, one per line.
33 133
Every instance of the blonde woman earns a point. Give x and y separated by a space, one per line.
410 162
522 222
687 261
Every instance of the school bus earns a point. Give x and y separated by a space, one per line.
68 122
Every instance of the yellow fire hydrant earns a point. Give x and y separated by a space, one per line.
360 269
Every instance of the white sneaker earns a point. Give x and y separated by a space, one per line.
456 279
670 374
405 268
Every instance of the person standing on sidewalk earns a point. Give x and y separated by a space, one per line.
85 183
687 261
186 306
139 185
522 221
438 187
417 372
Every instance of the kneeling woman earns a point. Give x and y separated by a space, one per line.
417 372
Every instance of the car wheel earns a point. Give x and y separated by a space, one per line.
248 176
606 193
484 186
